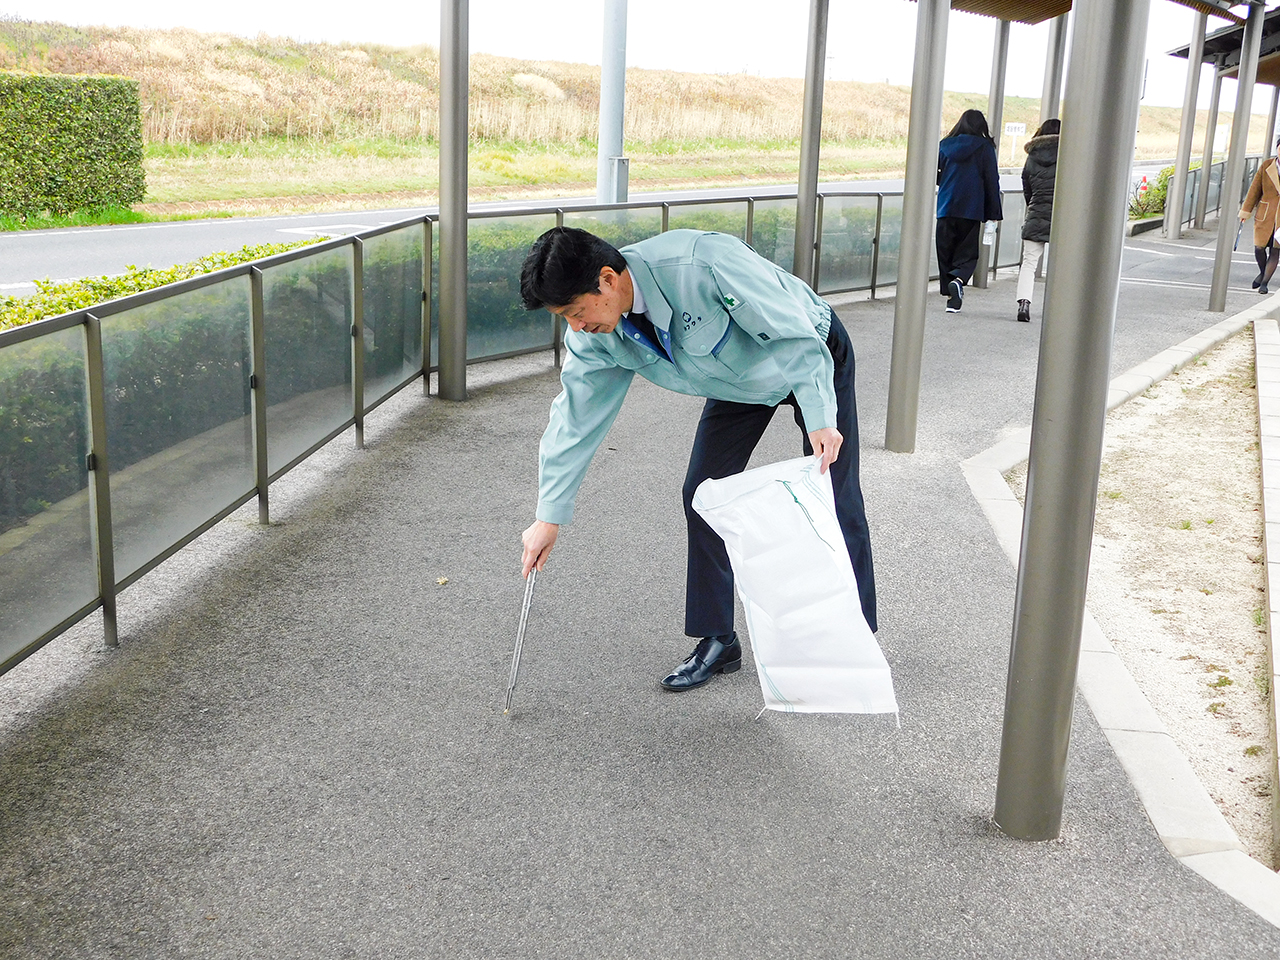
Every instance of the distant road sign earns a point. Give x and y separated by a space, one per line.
1015 129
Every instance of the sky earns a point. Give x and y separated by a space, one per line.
869 40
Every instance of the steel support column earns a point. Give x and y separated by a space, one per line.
610 186
452 377
1055 60
1202 198
918 210
1087 238
810 143
1269 142
1176 199
1229 198
995 120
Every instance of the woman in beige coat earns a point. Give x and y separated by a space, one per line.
1263 201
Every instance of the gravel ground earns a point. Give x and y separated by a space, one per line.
1177 574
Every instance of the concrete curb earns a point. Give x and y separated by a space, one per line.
1185 817
1266 346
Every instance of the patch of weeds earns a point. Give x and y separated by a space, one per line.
1209 521
1222 681
1263 682
1159 610
1206 591
1216 706
1213 668
1254 751
1257 616
1182 525
1112 494
1186 656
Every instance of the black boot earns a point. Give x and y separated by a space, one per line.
1024 311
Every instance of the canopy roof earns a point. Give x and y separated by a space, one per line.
1222 48
1035 11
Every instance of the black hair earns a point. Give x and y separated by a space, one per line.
565 263
973 123
1052 125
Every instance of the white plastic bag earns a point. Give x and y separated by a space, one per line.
814 651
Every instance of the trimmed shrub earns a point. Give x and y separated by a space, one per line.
69 143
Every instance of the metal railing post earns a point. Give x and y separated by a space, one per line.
817 242
427 272
100 485
875 244
258 391
751 222
557 323
357 339
1072 379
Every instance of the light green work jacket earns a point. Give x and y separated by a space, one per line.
736 328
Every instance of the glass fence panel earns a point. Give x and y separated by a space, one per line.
1215 187
1009 253
891 243
847 243
619 227
392 310
728 217
47 568
1189 202
178 416
307 317
773 231
497 321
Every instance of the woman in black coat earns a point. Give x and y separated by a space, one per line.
1038 175
968 194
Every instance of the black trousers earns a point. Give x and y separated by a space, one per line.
727 434
957 243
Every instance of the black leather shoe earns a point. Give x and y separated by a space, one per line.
708 658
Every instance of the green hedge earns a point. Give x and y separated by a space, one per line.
69 143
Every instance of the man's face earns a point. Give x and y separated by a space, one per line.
597 312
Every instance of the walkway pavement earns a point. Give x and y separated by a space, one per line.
299 748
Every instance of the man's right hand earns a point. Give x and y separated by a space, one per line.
538 541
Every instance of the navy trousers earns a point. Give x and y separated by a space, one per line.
727 434
957 244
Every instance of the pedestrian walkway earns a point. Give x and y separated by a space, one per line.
299 750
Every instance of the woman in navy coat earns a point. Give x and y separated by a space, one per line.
968 194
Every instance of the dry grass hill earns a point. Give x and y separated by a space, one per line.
229 119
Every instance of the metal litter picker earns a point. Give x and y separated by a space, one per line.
524 622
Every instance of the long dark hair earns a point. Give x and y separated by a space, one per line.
973 123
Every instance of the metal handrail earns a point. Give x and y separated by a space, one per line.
88 320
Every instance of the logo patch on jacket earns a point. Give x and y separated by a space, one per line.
731 302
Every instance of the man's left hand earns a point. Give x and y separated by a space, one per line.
826 444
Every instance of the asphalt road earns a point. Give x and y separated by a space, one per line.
26 256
